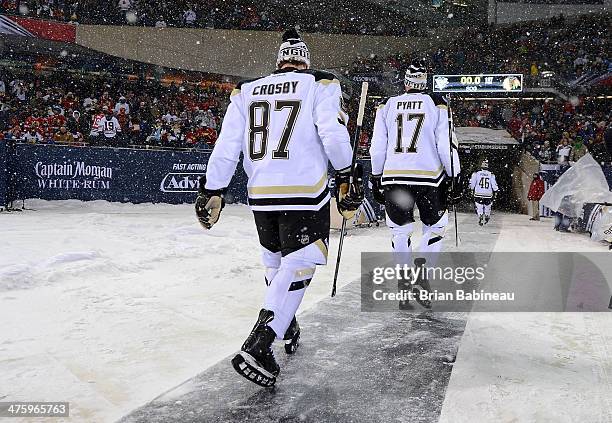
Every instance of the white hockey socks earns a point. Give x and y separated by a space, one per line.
400 237
286 290
480 209
431 243
272 262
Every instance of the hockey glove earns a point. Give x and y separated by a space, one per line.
454 190
378 191
349 194
209 204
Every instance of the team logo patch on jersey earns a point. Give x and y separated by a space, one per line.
304 239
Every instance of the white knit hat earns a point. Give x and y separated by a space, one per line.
293 49
416 76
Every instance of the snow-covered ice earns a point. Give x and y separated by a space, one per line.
108 305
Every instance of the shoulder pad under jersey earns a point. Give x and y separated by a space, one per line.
438 100
319 75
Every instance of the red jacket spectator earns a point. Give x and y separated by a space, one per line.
56 121
35 120
536 190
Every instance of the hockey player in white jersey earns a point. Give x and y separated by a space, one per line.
484 188
411 164
289 125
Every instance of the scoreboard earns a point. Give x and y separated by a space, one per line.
483 83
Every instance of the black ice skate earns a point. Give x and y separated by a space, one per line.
481 220
292 337
487 219
404 285
256 360
421 285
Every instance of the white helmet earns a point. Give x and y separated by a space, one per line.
416 76
485 164
293 49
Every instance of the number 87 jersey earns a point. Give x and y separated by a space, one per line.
288 126
410 143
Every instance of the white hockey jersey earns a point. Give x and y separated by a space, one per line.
410 143
108 127
288 125
483 184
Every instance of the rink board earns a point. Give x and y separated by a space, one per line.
351 366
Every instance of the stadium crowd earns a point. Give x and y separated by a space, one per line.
84 109
575 50
569 48
554 131
348 17
78 108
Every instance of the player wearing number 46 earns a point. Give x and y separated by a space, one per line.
484 188
288 125
411 163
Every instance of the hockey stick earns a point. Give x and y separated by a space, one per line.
362 101
452 163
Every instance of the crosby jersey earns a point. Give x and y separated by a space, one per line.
483 184
410 143
288 126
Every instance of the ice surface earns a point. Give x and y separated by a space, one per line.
106 305
109 305
350 367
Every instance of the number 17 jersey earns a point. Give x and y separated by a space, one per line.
410 143
288 125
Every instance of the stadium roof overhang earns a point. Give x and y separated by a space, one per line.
41 46
485 139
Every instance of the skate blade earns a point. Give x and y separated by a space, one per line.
424 303
291 345
405 305
250 369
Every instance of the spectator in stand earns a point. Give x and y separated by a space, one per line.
546 152
47 133
134 128
56 119
536 191
89 102
564 150
124 5
63 136
69 101
578 150
122 104
108 127
95 122
32 136
75 124
189 16
106 101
